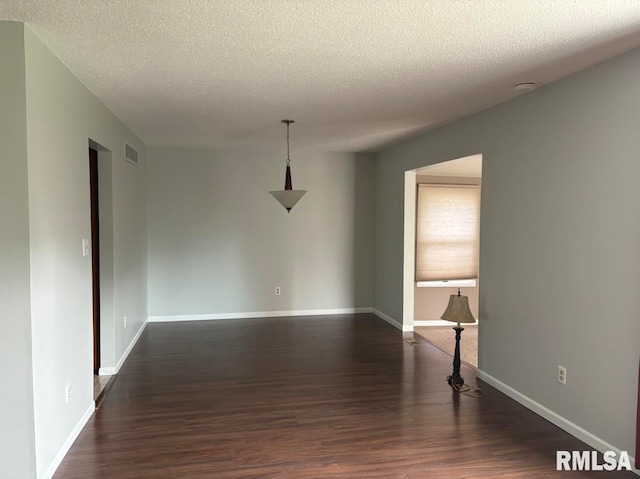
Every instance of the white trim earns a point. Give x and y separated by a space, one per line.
113 370
452 283
256 314
62 452
392 321
133 342
108 371
409 248
440 322
551 416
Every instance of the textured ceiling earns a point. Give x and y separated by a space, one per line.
354 74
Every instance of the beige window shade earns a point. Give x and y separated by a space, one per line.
447 232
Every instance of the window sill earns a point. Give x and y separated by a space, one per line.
458 283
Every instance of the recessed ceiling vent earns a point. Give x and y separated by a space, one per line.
130 154
525 87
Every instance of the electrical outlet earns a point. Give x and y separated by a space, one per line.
125 322
562 375
278 290
67 393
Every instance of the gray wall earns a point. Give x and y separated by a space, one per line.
17 451
219 243
46 121
560 229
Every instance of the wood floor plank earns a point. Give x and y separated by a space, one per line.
322 397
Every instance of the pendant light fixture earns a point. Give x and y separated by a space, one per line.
288 197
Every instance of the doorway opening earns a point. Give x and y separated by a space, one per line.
95 256
424 302
101 207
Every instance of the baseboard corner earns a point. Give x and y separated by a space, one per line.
389 319
132 344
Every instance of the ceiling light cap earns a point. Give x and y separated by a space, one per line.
525 87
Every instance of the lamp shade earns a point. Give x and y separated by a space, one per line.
458 310
288 198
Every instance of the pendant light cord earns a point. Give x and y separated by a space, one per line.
288 122
288 160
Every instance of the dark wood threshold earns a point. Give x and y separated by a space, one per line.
103 393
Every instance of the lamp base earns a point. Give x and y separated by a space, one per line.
455 380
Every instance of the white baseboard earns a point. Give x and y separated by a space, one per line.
108 371
392 321
112 370
438 322
257 314
57 460
563 423
127 351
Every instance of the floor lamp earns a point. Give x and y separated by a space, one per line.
457 312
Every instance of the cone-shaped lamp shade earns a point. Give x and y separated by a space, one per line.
288 198
458 310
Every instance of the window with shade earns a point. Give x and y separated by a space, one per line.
447 235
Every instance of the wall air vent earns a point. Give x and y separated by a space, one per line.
130 154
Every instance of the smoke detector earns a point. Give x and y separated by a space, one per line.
524 87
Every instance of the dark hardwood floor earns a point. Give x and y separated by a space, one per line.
315 397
